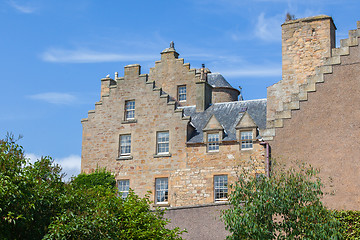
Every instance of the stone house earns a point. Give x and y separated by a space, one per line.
178 132
184 133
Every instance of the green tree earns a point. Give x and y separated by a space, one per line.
36 204
284 206
100 177
97 212
30 194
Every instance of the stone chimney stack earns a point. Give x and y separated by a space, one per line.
306 43
203 91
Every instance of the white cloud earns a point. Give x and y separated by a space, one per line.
32 157
253 71
54 97
88 56
21 8
269 29
71 165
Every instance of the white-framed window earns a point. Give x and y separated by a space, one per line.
246 139
213 142
125 145
161 190
182 93
129 109
123 186
220 188
162 142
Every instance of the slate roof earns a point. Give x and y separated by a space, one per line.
217 80
228 114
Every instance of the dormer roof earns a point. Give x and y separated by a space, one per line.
228 115
246 121
213 124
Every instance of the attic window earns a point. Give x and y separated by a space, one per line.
213 142
246 140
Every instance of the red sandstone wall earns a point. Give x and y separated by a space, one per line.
325 132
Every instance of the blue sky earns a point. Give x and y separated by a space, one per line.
54 53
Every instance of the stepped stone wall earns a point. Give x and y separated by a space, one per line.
190 169
306 43
320 125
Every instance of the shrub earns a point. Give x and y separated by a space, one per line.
284 206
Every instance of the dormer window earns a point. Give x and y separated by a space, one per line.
182 93
213 141
213 135
129 110
246 139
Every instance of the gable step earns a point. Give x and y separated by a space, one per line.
268 138
308 87
354 33
268 132
186 118
283 114
277 123
294 105
323 69
349 42
164 95
303 96
342 51
295 97
151 83
335 60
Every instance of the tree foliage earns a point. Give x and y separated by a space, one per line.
350 223
30 194
100 177
284 206
36 204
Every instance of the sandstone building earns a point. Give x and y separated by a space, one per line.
178 132
184 133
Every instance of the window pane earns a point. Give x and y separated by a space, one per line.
161 190
246 140
125 144
182 93
213 142
162 142
123 186
129 109
220 188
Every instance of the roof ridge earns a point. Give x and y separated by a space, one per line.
251 100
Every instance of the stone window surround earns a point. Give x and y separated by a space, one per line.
162 154
126 156
165 203
125 144
214 187
181 94
129 109
123 191
213 146
238 135
205 137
